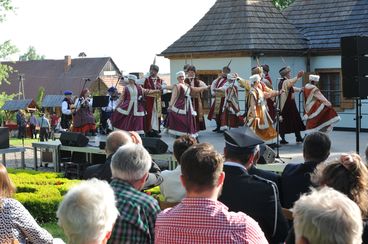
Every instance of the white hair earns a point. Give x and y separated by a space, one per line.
88 212
130 162
327 216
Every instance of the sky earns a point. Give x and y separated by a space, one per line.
132 32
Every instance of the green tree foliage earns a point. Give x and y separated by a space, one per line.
40 95
31 55
281 4
4 115
6 48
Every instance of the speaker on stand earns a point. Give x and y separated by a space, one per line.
354 65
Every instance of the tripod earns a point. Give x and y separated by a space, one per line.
278 114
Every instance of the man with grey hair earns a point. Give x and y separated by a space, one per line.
113 141
88 213
138 211
327 216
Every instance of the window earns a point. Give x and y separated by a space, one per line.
330 84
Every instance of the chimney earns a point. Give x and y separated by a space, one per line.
67 63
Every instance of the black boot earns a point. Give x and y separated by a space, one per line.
283 141
299 138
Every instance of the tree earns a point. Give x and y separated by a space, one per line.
40 96
31 55
281 4
6 48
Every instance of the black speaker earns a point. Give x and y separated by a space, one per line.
154 145
4 137
354 65
73 139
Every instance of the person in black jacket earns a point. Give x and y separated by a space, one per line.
251 194
113 142
295 179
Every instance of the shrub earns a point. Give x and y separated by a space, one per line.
40 192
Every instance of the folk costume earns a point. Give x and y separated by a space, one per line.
258 118
153 102
83 119
106 112
319 114
129 114
219 98
181 116
290 121
66 111
231 116
266 79
197 102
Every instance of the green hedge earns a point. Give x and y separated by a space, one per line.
40 192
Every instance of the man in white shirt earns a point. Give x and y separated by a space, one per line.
66 110
171 188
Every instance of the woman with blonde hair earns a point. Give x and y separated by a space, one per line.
348 175
17 224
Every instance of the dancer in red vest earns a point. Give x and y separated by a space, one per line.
153 103
319 113
219 98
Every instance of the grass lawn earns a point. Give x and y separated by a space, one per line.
18 142
54 230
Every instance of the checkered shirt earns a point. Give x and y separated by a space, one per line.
202 220
138 213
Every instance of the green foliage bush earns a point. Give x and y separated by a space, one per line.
40 192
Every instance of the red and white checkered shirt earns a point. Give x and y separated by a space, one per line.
202 220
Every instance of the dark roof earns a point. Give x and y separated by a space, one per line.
240 25
13 105
52 101
51 75
324 22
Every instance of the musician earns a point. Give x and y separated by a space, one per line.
231 116
129 113
193 81
66 110
107 111
83 119
290 120
153 103
219 98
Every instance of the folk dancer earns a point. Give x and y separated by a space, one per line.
153 103
290 121
66 110
181 117
197 102
219 98
107 111
129 113
319 114
231 116
83 119
258 118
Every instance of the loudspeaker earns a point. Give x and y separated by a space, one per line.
154 145
73 139
100 101
267 155
4 137
354 65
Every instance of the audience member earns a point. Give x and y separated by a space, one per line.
295 179
348 175
327 216
17 224
32 125
88 213
22 124
200 218
138 211
251 194
366 155
113 142
171 187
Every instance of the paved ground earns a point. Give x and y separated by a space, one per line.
291 153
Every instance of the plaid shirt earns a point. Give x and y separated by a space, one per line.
138 212
202 220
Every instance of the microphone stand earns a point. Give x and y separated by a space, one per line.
278 114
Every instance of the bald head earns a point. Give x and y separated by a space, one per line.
115 140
